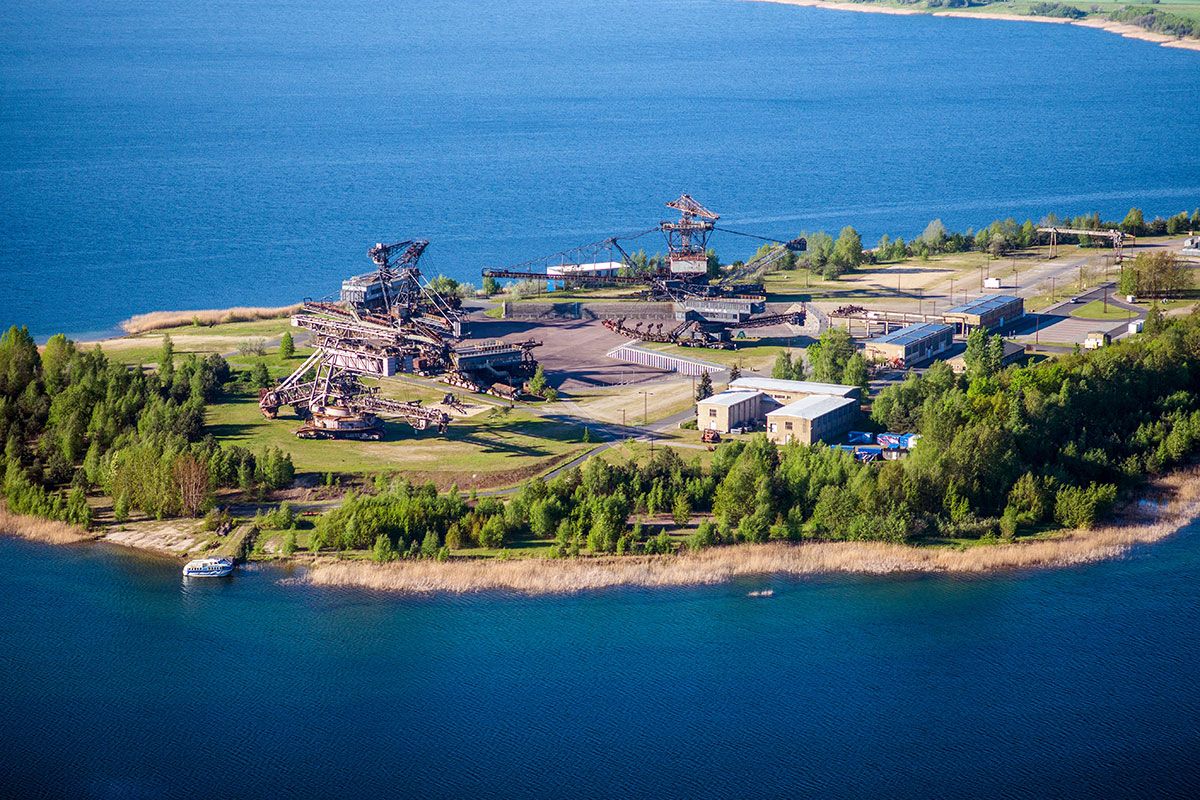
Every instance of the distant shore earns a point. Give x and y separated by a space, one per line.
1120 28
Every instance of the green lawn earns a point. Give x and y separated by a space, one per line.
264 328
483 451
1096 310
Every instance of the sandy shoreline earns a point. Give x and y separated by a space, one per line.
1144 524
1119 28
723 564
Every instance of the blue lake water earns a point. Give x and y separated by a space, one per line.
179 155
122 682
183 154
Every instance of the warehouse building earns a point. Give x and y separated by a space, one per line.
733 409
813 419
989 311
911 344
785 392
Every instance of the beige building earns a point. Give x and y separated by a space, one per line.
815 418
784 392
732 409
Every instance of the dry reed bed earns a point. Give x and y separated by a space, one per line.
722 564
158 320
41 530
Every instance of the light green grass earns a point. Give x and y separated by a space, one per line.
1097 310
482 451
254 328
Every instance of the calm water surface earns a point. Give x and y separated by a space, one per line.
121 681
196 154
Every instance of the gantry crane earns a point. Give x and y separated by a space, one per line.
706 310
1118 238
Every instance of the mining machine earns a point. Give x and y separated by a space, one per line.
387 322
706 312
336 405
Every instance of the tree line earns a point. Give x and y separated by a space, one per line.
74 422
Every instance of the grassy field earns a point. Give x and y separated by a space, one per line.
908 280
1097 310
626 406
478 452
751 353
225 339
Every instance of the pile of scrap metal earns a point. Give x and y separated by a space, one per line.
388 322
696 331
690 333
707 311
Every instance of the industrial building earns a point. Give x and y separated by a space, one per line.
785 392
989 311
815 418
911 344
733 409
1013 352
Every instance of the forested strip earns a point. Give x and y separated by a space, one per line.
74 422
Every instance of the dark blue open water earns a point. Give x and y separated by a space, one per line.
182 154
119 681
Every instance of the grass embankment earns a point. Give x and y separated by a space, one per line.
163 320
225 339
539 576
41 530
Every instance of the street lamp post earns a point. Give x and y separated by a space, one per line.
646 415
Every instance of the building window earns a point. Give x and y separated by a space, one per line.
712 412
787 426
773 427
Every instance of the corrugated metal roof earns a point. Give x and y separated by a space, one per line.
729 398
584 269
812 407
984 304
810 387
911 334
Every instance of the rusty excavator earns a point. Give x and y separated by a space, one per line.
386 322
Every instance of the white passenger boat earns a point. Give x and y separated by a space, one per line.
208 568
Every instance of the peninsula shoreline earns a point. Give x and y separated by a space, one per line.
1120 28
1169 503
